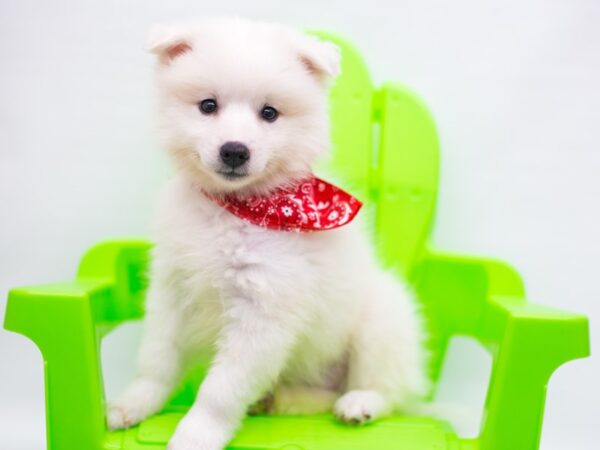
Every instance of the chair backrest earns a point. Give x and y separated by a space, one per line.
385 147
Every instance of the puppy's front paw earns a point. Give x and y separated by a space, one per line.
120 416
141 399
359 407
191 442
194 433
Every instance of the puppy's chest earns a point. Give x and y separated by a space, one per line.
234 254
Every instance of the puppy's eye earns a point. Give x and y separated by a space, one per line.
269 113
208 106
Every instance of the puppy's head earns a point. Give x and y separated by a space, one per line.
243 105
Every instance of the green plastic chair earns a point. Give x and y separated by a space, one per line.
479 298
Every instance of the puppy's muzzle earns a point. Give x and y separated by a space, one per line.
234 154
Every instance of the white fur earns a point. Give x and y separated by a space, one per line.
308 316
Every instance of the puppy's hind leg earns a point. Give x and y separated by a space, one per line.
386 366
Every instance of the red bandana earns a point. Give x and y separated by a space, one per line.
311 205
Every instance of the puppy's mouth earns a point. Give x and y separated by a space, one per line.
232 174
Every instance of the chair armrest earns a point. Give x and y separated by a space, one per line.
527 342
67 321
123 264
59 319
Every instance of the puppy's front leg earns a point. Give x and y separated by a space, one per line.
159 360
251 353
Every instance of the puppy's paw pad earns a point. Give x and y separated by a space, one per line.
359 407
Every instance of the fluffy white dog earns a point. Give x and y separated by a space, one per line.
307 320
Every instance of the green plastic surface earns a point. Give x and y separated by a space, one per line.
398 175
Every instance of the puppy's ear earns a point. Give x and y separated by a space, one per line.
320 58
168 43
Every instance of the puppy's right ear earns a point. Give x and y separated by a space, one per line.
169 43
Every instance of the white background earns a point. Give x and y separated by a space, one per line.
513 86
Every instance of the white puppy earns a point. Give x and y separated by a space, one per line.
308 317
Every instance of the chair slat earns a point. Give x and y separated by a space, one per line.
406 179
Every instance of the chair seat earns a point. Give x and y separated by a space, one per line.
321 432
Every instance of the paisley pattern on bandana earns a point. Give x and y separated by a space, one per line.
311 205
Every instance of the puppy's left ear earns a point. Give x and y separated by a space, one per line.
320 58
169 43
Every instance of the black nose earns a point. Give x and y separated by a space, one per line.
234 154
